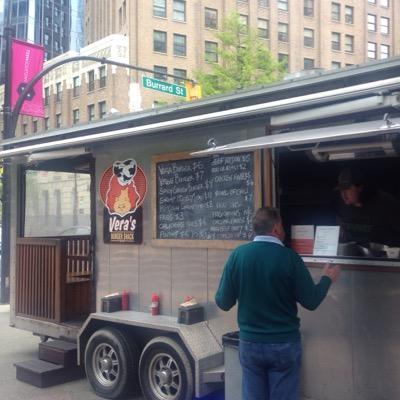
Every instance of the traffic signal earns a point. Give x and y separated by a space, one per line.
193 91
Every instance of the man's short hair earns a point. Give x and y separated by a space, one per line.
264 220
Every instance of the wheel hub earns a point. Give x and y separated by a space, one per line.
106 364
165 376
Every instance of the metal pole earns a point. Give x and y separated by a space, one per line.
8 132
29 86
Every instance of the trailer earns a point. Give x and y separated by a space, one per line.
153 202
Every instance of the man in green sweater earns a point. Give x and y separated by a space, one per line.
267 280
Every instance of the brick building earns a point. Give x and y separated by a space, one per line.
85 91
177 36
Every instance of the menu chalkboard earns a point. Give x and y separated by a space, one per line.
207 198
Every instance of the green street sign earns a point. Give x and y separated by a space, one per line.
165 87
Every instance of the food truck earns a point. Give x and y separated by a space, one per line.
152 204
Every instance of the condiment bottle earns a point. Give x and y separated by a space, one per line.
155 302
125 300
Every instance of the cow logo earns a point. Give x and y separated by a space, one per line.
123 187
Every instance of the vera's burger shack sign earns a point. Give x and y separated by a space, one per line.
123 188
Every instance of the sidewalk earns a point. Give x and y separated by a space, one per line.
18 345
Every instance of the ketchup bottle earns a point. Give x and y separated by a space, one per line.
125 300
155 302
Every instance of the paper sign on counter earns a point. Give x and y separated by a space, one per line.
326 240
302 238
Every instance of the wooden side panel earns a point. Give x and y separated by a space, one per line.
37 269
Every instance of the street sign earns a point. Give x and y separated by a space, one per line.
165 87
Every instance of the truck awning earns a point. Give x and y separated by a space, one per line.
309 136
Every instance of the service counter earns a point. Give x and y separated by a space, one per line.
352 263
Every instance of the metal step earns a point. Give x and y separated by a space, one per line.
213 375
59 352
44 374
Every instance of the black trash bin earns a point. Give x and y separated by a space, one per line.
233 370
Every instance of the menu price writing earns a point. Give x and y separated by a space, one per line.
208 198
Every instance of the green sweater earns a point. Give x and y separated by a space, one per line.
268 280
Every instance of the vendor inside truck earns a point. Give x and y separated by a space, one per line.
366 214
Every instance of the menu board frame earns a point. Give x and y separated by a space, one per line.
198 243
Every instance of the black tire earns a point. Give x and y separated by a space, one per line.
111 363
165 372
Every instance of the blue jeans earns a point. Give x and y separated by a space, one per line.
270 371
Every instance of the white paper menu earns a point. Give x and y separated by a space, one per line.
326 240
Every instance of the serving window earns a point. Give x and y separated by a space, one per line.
307 197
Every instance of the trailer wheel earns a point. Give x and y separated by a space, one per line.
111 363
165 372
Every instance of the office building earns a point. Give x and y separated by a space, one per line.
178 36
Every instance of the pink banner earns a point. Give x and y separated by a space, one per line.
26 62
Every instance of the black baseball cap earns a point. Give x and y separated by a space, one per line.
348 177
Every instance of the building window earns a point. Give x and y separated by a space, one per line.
75 116
335 12
385 3
211 51
349 14
124 12
46 39
244 23
160 8
34 126
309 8
46 124
103 77
90 75
283 5
263 3
284 60
349 43
102 109
76 86
179 11
283 32
371 22
180 73
211 18
160 72
385 51
384 25
179 45
160 41
58 120
335 65
309 63
262 28
120 18
46 96
371 49
90 112
335 41
24 128
58 92
308 37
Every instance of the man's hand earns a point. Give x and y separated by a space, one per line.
332 271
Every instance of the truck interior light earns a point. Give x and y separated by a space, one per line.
51 155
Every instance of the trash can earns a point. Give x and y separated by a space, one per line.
233 370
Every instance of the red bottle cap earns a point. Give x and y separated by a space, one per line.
154 297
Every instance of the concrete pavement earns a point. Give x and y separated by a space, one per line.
17 345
